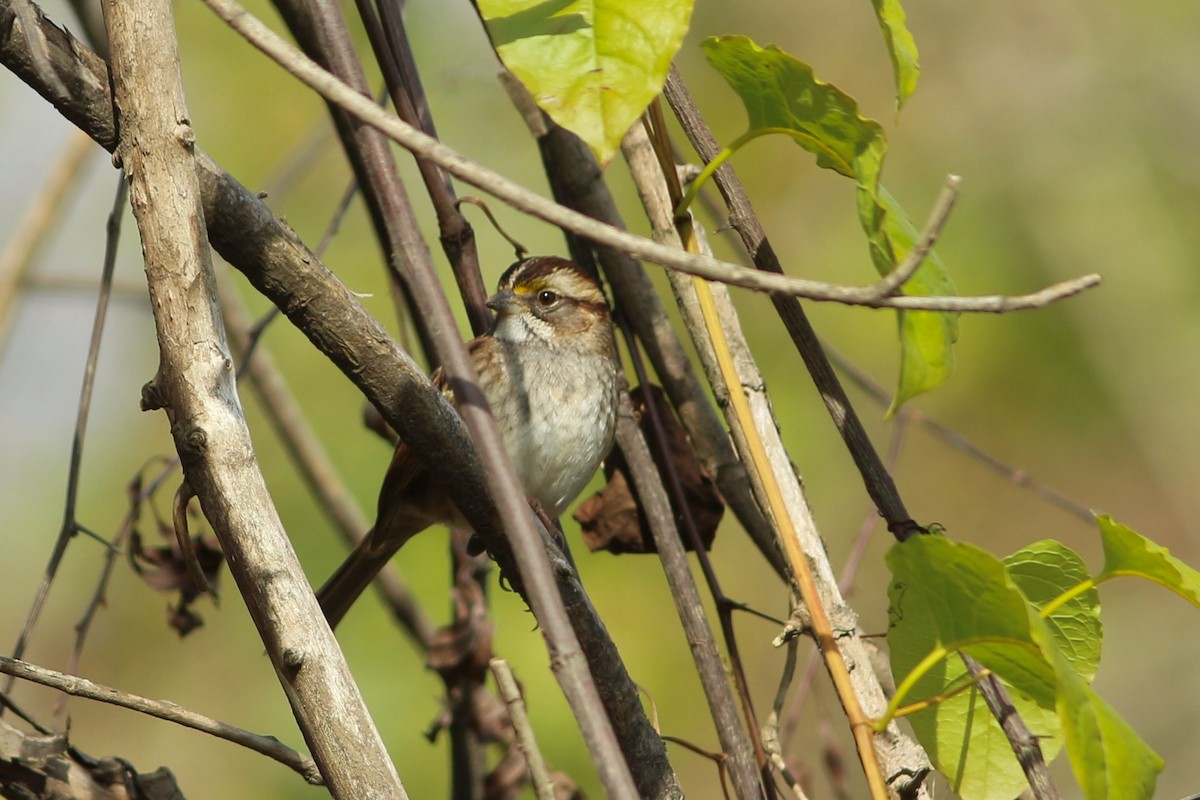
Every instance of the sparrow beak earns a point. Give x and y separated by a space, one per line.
505 303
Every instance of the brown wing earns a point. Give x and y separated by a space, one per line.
409 502
407 497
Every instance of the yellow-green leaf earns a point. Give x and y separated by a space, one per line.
1110 761
926 337
1127 552
782 95
959 597
948 596
592 66
1045 570
901 47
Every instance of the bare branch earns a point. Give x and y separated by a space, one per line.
896 751
876 478
112 235
389 42
522 199
137 495
770 731
249 237
79 687
70 526
910 413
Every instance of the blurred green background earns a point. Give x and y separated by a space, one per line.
1074 126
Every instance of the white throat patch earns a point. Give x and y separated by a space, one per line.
523 327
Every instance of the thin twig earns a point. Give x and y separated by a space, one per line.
255 332
69 526
770 732
299 161
137 495
871 516
519 250
112 237
320 29
81 687
524 200
901 275
543 784
719 759
179 510
389 41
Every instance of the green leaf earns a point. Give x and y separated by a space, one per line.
1043 571
1110 761
957 596
1127 552
782 95
901 47
951 596
592 66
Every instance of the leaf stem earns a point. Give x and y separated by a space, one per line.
905 686
720 158
921 705
1071 594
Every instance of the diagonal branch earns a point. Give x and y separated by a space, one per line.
735 743
389 42
877 478
245 232
195 386
313 463
324 30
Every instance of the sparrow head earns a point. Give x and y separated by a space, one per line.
547 299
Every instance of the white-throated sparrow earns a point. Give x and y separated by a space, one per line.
549 371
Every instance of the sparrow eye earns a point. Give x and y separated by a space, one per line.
547 297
